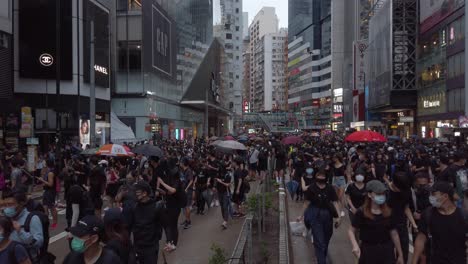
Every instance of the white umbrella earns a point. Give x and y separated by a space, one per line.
231 144
215 143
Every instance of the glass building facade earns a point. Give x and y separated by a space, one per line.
140 90
309 54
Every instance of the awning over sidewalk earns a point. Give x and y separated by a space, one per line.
120 132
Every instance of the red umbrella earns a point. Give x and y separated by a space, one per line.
366 136
292 140
229 138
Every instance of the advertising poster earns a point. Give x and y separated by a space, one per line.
84 132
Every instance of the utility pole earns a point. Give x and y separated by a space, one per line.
58 74
206 114
92 93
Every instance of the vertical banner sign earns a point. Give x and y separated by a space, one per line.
84 132
360 48
26 122
32 154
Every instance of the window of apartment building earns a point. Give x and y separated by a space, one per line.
237 28
237 10
237 76
237 38
237 57
228 36
231 75
231 85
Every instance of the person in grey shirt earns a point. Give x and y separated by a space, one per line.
14 207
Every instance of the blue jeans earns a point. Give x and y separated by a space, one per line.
321 223
224 201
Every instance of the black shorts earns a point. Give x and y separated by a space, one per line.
97 202
48 198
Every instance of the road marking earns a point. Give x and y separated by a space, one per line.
57 237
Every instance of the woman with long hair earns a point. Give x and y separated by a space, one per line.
117 237
338 170
377 233
10 251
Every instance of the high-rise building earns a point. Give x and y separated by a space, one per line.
269 92
230 33
6 52
246 82
441 68
168 68
265 22
245 25
392 65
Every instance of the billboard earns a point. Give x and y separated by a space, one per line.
96 12
159 40
37 45
84 132
434 11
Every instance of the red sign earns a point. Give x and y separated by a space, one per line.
246 106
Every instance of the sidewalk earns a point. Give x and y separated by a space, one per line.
302 247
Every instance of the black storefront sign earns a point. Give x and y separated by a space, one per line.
159 40
37 45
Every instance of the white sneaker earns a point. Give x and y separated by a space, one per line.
217 203
342 214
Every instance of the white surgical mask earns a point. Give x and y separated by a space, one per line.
359 178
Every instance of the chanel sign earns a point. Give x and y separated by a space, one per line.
46 60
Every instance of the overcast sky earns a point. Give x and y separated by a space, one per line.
253 6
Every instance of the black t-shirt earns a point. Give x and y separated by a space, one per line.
398 201
321 198
212 173
202 179
75 195
238 175
356 195
373 231
119 249
446 175
380 169
308 179
299 169
107 257
226 179
448 236
97 181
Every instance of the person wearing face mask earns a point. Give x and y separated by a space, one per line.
377 233
320 213
14 208
356 194
10 251
443 228
420 202
144 223
299 168
86 246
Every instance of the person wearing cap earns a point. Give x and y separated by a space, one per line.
116 236
144 223
320 213
444 227
86 246
377 233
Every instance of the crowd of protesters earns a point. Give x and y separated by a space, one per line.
118 208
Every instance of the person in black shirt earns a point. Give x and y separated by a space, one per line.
86 247
444 173
444 223
175 201
116 236
322 209
201 185
298 171
238 196
356 194
213 167
188 188
400 200
420 202
223 187
144 222
377 231
97 183
380 167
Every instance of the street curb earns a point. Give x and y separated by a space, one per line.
284 257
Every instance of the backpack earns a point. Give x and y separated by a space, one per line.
44 257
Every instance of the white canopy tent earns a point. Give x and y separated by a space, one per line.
120 132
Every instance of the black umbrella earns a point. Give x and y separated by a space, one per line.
148 150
